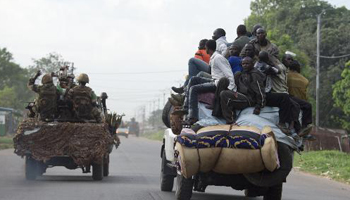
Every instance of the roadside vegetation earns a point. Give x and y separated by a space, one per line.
331 164
154 135
6 142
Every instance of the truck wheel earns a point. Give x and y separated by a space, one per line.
250 193
106 166
31 168
183 188
97 171
255 191
166 180
166 113
274 193
127 135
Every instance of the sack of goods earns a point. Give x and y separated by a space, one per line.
226 149
84 142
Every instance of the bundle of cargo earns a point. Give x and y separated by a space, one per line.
226 149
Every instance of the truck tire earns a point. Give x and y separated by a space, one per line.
166 114
127 135
274 192
255 191
184 188
97 171
166 180
31 168
250 193
106 166
270 179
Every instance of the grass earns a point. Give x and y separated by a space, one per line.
6 142
154 135
331 164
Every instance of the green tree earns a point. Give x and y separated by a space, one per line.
7 97
13 80
292 25
51 63
155 119
341 96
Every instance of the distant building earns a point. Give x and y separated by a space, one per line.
7 121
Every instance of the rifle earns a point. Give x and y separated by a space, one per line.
30 108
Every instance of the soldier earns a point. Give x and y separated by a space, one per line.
46 103
84 99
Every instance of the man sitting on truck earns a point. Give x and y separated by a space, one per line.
220 68
241 40
219 36
46 103
297 87
277 94
83 99
200 63
250 92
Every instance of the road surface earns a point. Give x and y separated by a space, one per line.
134 175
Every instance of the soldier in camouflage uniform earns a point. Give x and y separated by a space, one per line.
46 103
84 99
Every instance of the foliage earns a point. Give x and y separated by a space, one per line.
51 63
7 97
341 95
154 135
6 142
292 25
333 164
13 80
155 119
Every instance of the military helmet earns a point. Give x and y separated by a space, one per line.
46 79
83 78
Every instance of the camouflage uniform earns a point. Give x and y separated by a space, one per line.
46 103
83 99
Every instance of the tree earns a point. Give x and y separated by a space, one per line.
341 96
7 97
155 119
292 25
13 80
9 71
51 63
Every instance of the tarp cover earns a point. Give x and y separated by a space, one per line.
84 142
268 117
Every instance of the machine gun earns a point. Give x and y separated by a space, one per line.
104 96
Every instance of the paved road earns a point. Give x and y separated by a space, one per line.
134 169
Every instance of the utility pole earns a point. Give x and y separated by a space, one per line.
318 69
158 103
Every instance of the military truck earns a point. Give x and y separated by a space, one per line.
67 141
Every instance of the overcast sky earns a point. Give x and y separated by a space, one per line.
134 50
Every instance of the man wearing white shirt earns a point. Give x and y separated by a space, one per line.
220 67
219 36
